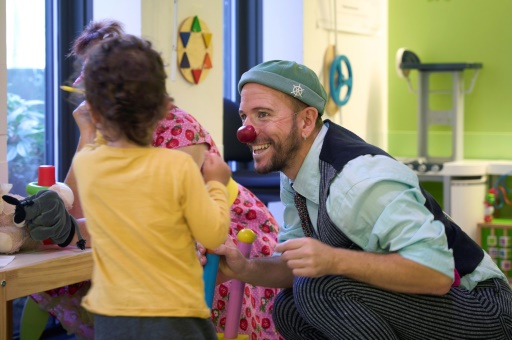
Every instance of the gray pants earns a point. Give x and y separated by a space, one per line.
334 307
152 328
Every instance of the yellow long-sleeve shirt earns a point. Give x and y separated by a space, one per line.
145 207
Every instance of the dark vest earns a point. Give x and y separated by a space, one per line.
341 146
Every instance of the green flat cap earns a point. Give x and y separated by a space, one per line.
288 77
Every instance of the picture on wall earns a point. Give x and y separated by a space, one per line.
195 50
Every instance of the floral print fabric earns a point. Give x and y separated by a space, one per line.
64 304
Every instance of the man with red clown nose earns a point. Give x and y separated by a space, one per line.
365 252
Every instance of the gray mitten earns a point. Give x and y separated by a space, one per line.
47 217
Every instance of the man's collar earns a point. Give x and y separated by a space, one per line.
308 178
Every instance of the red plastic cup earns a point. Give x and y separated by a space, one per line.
46 175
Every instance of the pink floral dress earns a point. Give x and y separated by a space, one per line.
181 129
64 304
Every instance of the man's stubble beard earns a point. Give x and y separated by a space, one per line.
283 153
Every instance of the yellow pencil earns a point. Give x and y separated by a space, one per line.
72 89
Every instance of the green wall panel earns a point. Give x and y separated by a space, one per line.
454 31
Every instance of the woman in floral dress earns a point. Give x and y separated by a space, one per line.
181 130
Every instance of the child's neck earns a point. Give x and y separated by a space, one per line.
124 143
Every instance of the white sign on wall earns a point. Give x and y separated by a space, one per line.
351 16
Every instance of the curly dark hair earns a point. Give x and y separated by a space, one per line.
94 32
125 85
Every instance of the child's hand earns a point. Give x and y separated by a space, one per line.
83 120
201 253
215 169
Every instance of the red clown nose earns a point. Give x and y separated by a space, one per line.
246 134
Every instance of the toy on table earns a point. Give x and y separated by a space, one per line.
45 180
43 215
496 197
245 237
490 199
13 237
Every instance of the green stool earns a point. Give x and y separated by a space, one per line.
33 321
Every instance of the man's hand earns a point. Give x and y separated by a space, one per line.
307 256
232 261
201 255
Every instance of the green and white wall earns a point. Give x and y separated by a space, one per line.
381 109
454 31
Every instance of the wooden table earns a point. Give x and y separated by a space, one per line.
39 270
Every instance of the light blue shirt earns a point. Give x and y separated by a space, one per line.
377 203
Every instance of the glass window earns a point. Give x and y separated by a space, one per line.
25 37
243 45
40 125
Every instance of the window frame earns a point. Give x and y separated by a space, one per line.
65 19
243 42
243 39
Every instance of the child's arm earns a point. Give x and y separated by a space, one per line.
207 209
87 136
197 151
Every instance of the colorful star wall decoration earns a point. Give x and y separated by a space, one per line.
195 50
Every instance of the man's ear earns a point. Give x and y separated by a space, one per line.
310 115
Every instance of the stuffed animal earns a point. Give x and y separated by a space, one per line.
26 222
13 238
